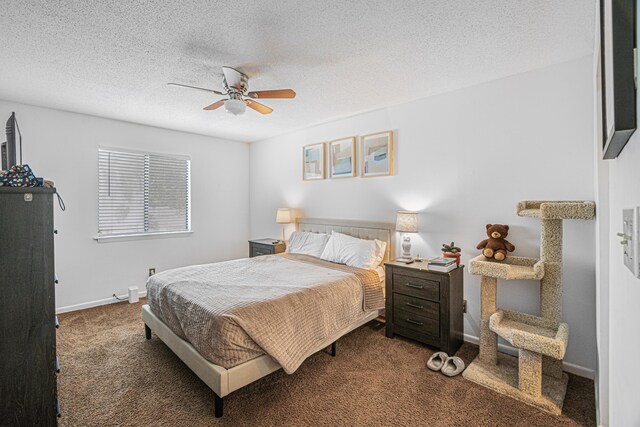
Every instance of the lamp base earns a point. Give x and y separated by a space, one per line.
406 250
406 246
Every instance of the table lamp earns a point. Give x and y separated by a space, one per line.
406 222
283 216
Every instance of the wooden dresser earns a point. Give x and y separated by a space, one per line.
424 305
260 247
28 363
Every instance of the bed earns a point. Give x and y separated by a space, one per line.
228 351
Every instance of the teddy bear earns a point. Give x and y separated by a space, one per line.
496 246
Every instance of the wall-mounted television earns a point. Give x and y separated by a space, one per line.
618 65
9 151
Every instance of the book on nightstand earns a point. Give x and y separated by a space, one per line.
443 269
443 265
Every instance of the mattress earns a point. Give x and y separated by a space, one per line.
282 305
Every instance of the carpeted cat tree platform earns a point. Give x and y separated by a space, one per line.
535 376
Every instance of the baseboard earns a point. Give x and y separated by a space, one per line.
572 368
96 303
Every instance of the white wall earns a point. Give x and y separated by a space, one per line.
602 240
464 159
62 146
602 270
623 182
618 294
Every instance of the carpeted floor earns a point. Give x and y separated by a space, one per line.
111 375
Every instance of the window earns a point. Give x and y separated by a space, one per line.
142 193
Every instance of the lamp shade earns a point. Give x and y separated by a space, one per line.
283 216
407 222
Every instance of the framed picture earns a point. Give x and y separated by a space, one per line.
342 158
618 41
313 162
376 154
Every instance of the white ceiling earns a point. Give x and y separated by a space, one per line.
113 58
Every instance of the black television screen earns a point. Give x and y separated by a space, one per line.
618 69
9 147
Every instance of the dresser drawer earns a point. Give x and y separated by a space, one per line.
417 323
416 287
417 306
257 250
265 247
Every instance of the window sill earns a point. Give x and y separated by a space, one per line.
141 236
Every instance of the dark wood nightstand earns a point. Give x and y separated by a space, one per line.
424 305
265 247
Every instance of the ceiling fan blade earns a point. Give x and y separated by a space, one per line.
195 87
234 78
278 93
215 105
260 108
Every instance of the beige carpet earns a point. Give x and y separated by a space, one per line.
111 375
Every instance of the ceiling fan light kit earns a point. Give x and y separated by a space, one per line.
235 106
236 84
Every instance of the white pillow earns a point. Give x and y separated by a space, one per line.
382 247
305 243
354 252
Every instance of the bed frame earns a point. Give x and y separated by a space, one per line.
224 381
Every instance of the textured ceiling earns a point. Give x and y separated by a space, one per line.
113 58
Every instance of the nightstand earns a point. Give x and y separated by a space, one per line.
426 306
260 247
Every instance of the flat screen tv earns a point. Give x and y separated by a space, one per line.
618 65
9 146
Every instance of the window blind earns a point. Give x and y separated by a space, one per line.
142 193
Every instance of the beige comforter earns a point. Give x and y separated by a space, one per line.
283 305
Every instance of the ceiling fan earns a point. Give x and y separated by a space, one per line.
239 98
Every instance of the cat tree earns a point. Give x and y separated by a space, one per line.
536 376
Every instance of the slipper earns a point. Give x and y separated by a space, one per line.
436 361
452 366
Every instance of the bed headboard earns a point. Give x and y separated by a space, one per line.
361 229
